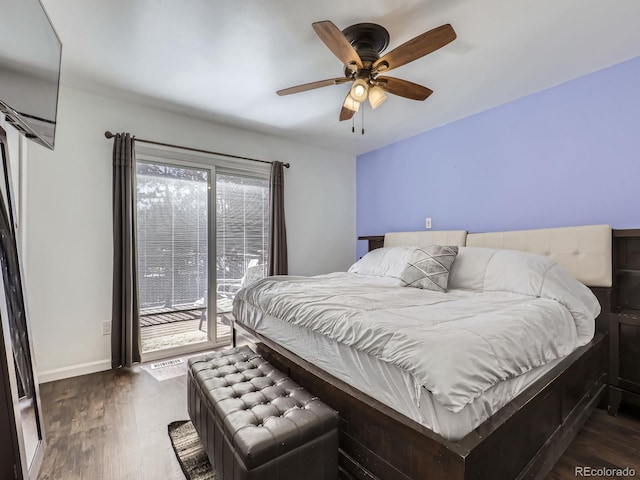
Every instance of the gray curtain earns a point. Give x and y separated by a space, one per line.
125 341
278 264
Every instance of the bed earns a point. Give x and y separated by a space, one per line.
521 437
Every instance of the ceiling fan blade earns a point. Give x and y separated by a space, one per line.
346 114
416 48
310 86
337 42
404 88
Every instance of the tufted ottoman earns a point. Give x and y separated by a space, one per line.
256 423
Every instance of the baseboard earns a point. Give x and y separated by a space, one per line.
73 371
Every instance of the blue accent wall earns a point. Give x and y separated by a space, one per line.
569 155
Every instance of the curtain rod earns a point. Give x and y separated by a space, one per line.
110 135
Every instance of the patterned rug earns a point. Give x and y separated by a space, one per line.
191 455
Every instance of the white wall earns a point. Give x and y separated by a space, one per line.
69 223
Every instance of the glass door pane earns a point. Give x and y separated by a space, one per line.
173 247
242 236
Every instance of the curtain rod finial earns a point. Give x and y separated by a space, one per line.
287 165
108 134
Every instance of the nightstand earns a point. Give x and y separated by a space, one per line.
374 241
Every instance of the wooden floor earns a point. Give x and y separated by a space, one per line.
113 426
604 442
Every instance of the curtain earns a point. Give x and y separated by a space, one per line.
278 264
125 339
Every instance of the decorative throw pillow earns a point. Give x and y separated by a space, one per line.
428 267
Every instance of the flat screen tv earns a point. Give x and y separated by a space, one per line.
30 53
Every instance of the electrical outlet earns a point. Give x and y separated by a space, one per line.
428 223
106 327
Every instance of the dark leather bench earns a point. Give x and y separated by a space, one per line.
255 423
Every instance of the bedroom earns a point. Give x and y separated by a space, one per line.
569 105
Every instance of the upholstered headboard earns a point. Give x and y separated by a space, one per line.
584 251
438 237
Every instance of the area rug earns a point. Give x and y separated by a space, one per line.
191 455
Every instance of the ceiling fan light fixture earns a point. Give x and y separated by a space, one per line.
376 96
351 104
359 90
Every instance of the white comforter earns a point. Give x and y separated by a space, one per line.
504 314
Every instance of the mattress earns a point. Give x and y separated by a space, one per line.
446 359
391 385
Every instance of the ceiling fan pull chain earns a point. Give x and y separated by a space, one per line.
362 119
353 124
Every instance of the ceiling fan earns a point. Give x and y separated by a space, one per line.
359 47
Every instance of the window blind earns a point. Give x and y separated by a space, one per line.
172 230
242 230
172 219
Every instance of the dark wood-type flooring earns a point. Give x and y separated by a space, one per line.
603 442
113 426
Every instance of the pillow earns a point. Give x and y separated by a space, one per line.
428 267
496 270
383 262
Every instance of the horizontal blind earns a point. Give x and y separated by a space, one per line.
172 231
242 230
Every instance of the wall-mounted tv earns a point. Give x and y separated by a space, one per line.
30 54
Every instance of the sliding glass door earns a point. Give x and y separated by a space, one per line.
242 236
188 216
173 235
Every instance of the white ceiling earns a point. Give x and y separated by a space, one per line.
223 60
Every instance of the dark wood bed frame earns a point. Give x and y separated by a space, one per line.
523 440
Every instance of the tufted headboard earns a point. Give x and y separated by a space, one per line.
584 251
438 237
